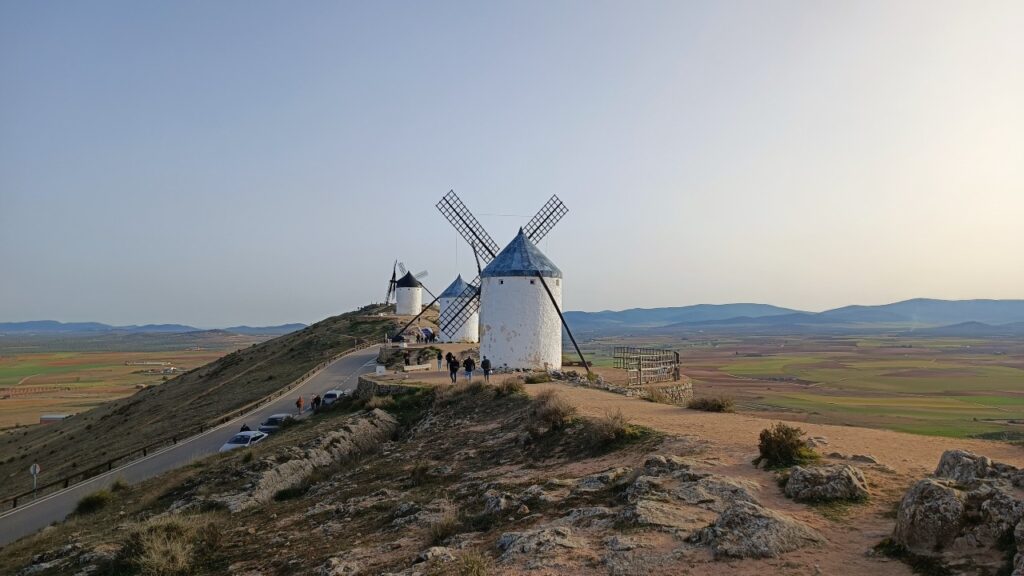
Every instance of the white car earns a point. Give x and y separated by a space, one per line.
332 396
243 440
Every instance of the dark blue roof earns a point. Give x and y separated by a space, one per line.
408 281
455 289
521 258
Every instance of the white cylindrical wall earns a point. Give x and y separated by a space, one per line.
468 332
519 327
408 301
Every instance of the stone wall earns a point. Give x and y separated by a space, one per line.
368 388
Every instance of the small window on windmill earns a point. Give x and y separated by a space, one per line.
558 282
533 281
501 281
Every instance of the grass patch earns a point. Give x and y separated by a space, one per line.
613 431
446 526
782 446
550 411
836 510
470 563
712 404
94 502
382 402
510 386
172 545
119 485
292 493
537 378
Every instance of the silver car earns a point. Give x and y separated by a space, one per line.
243 440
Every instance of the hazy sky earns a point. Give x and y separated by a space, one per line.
227 162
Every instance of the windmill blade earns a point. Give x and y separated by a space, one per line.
545 219
401 268
466 304
452 208
421 274
391 283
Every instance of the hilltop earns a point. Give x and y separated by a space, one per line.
40 327
180 405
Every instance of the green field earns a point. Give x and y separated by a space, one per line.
940 386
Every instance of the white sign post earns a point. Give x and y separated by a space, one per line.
34 471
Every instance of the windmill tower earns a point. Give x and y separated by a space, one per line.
518 294
408 295
519 328
450 298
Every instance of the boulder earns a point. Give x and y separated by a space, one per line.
665 515
436 554
539 542
747 530
865 458
601 480
339 567
714 492
929 516
496 502
826 483
962 466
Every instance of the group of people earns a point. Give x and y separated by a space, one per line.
314 403
468 365
429 337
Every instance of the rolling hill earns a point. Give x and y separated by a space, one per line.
38 327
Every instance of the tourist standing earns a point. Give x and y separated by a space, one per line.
469 365
453 368
439 357
485 365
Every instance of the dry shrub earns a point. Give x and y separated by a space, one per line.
380 402
510 386
713 404
419 473
171 545
781 446
469 563
538 378
94 502
446 525
551 411
659 396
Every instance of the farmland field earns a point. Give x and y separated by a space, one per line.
939 386
71 382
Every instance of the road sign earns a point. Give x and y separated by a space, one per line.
34 470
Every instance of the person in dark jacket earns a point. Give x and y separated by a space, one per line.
485 365
439 357
245 428
453 368
469 365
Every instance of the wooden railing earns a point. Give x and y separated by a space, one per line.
135 454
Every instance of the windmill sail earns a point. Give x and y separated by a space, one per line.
545 219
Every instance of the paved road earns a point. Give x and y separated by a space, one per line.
32 516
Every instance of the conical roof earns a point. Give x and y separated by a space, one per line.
408 281
521 258
455 289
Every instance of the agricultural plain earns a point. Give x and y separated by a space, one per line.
936 386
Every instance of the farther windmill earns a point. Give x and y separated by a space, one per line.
520 311
406 290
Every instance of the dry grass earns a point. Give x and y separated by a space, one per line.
551 411
659 396
537 378
170 545
510 386
94 502
469 563
381 402
446 526
783 445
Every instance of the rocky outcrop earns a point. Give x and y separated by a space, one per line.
966 516
747 530
826 483
361 434
537 543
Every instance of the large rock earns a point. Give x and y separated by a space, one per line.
930 516
963 466
540 542
714 492
665 515
747 530
601 480
825 483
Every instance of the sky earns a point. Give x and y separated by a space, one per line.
256 162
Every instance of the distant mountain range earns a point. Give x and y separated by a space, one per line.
38 327
918 316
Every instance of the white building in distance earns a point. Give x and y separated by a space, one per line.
408 296
519 326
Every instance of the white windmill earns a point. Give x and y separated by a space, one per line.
407 290
518 294
452 297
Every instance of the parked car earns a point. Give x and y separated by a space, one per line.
332 396
273 424
243 440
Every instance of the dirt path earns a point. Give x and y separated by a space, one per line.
853 531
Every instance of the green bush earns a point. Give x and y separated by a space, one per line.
94 502
781 446
712 404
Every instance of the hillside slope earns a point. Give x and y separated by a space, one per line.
178 406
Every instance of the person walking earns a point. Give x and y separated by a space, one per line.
317 400
299 404
245 428
406 358
469 365
485 365
439 358
453 368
